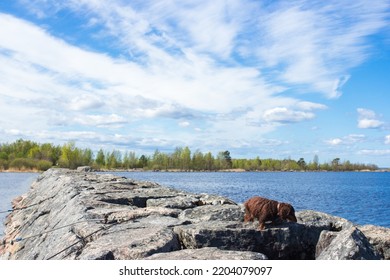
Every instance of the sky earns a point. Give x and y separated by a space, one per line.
274 79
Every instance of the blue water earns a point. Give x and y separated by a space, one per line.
361 197
11 186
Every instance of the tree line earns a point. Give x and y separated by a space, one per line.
25 155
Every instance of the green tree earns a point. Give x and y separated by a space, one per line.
316 162
325 166
114 160
50 152
43 165
130 160
100 159
224 160
86 157
3 164
185 159
302 164
3 155
22 147
35 153
176 159
256 164
69 155
198 162
335 164
143 161
159 161
73 157
209 161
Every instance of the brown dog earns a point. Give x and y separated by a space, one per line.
267 210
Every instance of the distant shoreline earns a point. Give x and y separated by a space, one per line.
26 156
21 171
238 170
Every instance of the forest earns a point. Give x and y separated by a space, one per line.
26 155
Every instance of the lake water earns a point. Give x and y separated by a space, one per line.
11 186
361 197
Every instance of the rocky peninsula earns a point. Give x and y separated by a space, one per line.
79 214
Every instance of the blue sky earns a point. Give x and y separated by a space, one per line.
280 79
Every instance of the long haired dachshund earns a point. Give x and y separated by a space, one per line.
267 210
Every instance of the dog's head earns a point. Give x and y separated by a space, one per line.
286 212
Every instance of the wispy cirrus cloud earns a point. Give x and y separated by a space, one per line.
216 66
303 42
315 45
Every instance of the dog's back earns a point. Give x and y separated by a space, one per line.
256 206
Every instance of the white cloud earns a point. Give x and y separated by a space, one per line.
374 152
219 62
355 138
309 106
285 115
304 43
366 113
368 119
313 47
293 111
197 80
85 102
346 140
101 120
367 123
387 139
184 124
194 19
82 81
14 132
334 141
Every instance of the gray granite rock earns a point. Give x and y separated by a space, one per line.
219 212
379 237
326 238
84 215
349 244
322 220
285 241
208 253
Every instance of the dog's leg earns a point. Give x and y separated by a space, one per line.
247 216
261 225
